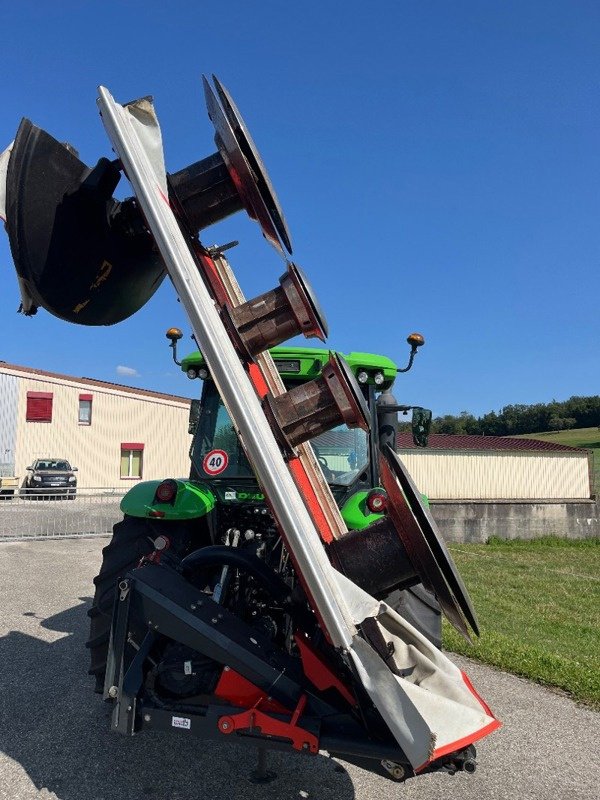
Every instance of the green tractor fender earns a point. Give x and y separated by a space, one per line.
356 513
191 501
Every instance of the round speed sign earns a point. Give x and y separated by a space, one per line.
215 462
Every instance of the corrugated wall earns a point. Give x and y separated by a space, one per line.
9 390
452 475
160 424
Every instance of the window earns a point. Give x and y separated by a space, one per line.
85 409
215 431
39 407
342 453
131 460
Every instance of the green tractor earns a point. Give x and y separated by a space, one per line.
222 503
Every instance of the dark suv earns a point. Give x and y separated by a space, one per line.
51 477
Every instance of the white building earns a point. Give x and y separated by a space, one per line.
115 435
466 467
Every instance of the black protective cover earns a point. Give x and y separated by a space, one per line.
69 244
424 543
419 607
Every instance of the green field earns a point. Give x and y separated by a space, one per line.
538 605
579 437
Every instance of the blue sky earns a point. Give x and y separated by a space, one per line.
438 164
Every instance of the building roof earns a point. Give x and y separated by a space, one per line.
92 382
447 441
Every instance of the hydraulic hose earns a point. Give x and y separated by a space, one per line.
220 555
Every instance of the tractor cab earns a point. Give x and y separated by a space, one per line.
347 456
217 454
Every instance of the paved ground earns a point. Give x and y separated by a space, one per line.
54 740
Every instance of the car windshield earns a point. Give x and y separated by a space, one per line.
217 452
61 466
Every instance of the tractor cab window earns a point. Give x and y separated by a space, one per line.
216 450
217 453
342 453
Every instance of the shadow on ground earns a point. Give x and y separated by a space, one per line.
58 731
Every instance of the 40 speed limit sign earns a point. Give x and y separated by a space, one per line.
215 462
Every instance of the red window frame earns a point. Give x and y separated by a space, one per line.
129 446
39 407
89 398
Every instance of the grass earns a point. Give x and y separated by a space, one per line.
579 437
538 605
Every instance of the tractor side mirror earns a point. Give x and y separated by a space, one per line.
387 410
421 425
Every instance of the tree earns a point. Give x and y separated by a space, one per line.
514 420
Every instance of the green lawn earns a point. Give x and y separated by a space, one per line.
538 605
579 437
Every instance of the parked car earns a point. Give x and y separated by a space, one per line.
9 484
52 477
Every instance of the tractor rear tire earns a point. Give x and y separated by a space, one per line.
132 539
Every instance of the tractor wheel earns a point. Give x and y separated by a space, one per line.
132 539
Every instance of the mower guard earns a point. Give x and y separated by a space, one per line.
68 236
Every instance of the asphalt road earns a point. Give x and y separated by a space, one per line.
54 739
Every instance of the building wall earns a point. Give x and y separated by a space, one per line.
159 423
453 475
9 389
479 520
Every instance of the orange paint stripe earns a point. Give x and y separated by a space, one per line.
312 501
460 744
471 688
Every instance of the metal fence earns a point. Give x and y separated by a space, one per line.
30 515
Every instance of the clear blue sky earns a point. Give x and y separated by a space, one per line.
438 164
